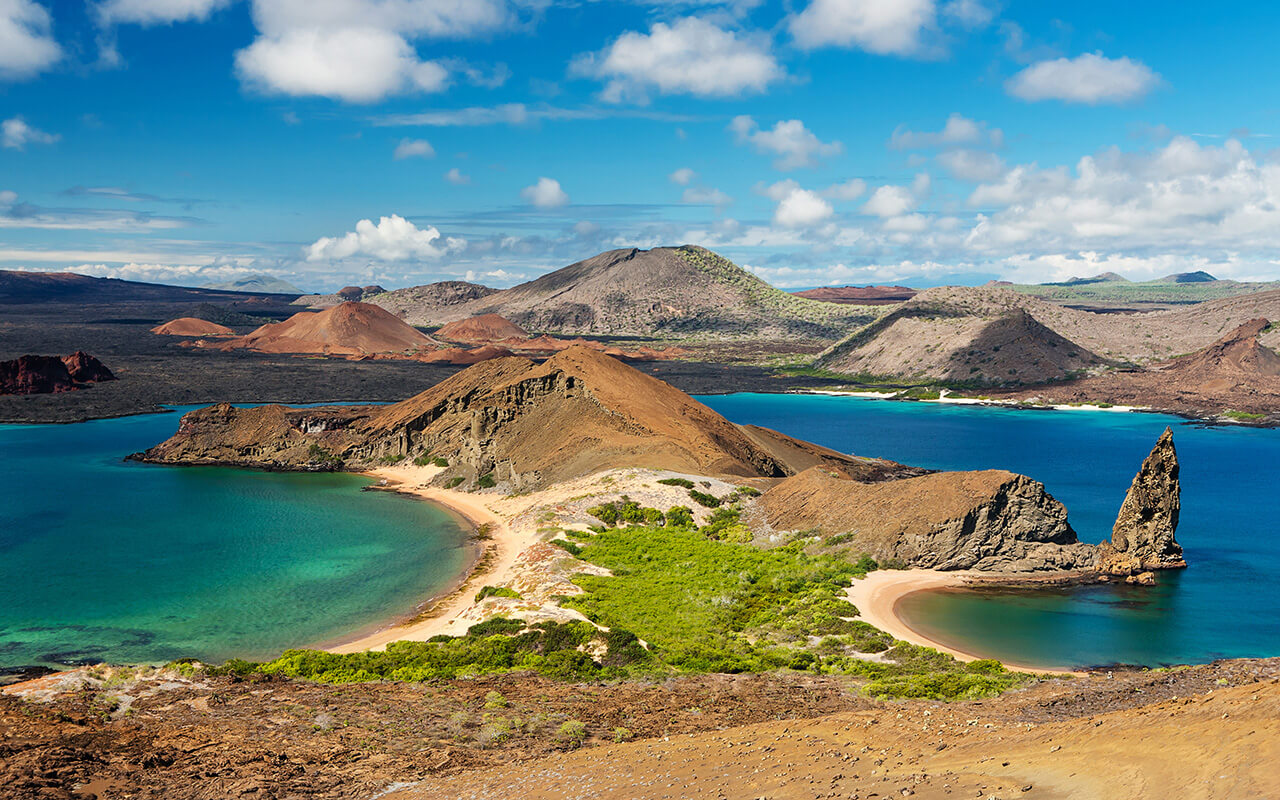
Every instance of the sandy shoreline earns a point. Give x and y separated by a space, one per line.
877 597
498 552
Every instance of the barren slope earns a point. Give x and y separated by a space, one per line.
666 291
192 326
346 329
482 328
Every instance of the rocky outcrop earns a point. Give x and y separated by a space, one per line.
988 520
1142 539
51 374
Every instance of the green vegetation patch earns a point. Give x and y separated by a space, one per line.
496 591
1243 416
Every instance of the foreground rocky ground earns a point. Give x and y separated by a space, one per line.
1209 731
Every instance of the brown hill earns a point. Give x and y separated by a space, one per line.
860 295
989 520
481 329
941 341
191 326
1234 374
345 329
666 291
529 424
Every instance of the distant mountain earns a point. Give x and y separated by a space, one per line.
69 287
666 291
425 297
258 284
1106 277
1199 276
860 295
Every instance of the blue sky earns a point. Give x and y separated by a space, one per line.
817 142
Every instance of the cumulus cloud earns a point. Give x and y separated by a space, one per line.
16 134
27 46
457 177
683 176
158 12
794 144
1089 78
546 193
394 238
690 56
414 148
801 208
958 130
972 165
358 50
886 27
851 189
358 65
889 201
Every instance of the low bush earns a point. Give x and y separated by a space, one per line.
486 481
496 591
704 499
683 482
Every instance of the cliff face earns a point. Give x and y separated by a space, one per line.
988 520
1143 536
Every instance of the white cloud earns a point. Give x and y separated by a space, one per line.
689 56
358 50
886 27
959 130
683 176
700 195
889 201
794 144
1089 78
972 165
414 148
520 114
394 238
546 193
851 189
158 12
457 177
801 208
26 40
25 215
971 14
16 134
358 65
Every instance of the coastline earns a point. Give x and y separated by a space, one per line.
441 613
878 596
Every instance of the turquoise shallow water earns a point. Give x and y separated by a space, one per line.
102 559
1227 604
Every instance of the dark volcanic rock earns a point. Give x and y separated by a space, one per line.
84 368
1142 539
35 375
49 374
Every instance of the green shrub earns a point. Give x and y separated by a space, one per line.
704 499
496 591
440 462
321 457
683 482
569 547
495 700
486 481
621 734
572 732
454 483
679 517
422 460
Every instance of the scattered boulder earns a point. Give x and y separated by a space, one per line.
1142 539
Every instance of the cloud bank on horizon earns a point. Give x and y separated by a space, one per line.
818 142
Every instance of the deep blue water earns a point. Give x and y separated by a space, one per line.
102 559
1227 604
